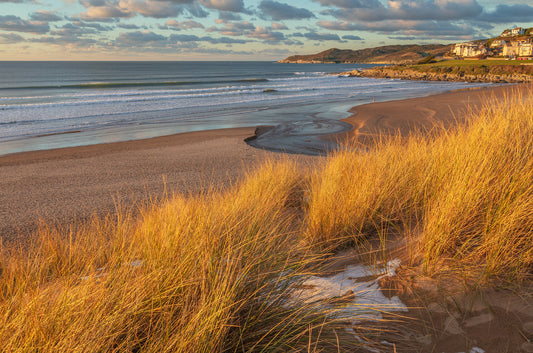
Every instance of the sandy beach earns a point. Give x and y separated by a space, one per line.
70 184
63 185
420 114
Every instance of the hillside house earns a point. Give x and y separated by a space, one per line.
515 45
497 43
526 50
511 49
469 50
518 31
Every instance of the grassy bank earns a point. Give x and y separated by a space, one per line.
500 71
478 67
214 272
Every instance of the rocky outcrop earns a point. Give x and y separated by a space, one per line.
404 73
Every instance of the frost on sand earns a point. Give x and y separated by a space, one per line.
350 294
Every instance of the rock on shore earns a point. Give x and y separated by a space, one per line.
406 73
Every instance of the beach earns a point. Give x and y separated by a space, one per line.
420 114
63 186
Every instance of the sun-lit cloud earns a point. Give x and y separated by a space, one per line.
151 8
225 5
279 26
173 24
409 10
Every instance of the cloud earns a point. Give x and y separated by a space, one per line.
71 30
45 16
321 36
292 42
421 29
217 51
195 9
279 26
245 28
233 28
403 38
350 4
265 34
434 9
128 26
109 10
338 25
225 16
280 11
151 8
350 37
104 10
508 14
432 19
80 29
274 51
96 26
184 38
373 10
10 38
66 41
17 24
140 39
225 5
181 25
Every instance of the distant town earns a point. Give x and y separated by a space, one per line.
516 43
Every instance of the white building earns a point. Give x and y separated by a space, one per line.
511 49
469 50
526 50
518 31
497 43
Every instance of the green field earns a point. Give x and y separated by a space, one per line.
475 63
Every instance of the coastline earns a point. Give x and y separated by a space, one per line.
406 116
65 185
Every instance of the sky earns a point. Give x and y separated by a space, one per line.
240 29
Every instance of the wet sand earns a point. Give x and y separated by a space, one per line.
420 114
75 183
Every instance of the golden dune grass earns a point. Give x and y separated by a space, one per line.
210 273
466 193
196 274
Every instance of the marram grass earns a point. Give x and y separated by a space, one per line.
211 273
196 274
465 194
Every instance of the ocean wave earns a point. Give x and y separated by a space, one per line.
100 85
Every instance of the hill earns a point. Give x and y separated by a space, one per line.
390 54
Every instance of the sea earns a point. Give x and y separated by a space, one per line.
46 105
